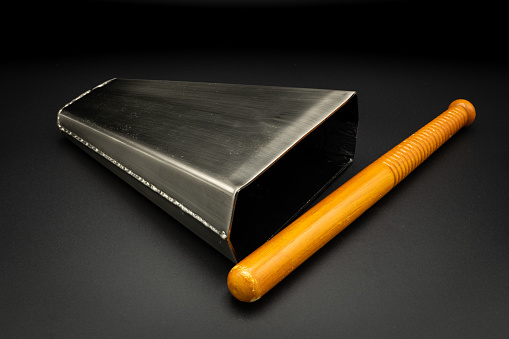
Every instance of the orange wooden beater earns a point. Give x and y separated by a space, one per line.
259 272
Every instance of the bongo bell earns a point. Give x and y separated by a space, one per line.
233 163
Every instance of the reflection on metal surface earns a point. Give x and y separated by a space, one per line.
233 163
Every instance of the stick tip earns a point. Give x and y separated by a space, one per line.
469 108
243 285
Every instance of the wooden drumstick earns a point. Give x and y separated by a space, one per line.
259 272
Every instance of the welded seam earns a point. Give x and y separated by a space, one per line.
136 176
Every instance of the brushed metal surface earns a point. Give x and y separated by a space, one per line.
193 148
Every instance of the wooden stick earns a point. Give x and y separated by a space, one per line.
259 272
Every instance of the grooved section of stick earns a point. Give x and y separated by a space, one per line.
409 154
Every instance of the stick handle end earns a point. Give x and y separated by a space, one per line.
467 106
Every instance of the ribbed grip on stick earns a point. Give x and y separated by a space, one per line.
410 153
254 276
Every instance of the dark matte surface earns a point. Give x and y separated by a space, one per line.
82 254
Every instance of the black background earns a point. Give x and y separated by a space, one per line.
84 255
